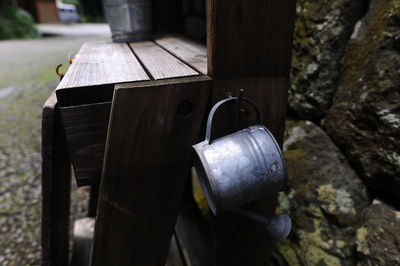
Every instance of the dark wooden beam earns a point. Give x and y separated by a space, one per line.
147 161
249 46
56 188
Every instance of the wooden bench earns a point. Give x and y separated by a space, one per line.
128 113
86 91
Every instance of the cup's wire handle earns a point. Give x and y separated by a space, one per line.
228 99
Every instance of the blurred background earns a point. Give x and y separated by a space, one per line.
342 138
35 37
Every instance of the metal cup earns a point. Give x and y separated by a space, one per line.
130 20
241 167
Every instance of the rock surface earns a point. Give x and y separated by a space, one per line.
365 118
378 239
324 198
321 32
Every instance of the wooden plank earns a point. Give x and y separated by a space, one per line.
191 52
160 63
86 133
249 46
56 178
100 63
147 161
249 38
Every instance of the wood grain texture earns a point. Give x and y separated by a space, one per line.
147 162
56 178
98 64
249 46
191 52
249 38
86 132
159 63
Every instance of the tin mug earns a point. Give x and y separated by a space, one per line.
241 167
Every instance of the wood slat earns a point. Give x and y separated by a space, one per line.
99 63
147 162
86 132
191 52
56 186
159 62
249 46
98 66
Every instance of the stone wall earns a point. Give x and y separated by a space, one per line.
343 192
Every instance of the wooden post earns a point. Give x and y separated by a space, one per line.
249 46
56 188
147 161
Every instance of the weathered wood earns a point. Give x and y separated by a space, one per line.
56 188
84 113
98 64
249 46
147 161
249 38
160 63
191 52
86 132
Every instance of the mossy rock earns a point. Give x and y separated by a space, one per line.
378 239
322 30
324 197
365 118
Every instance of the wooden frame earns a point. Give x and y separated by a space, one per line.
249 46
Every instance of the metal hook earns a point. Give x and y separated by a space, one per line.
60 74
241 94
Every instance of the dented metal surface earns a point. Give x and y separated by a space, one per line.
241 167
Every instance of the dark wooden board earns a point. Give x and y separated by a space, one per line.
56 186
191 52
147 162
86 132
249 38
249 46
159 63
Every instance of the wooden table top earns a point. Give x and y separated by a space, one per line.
98 66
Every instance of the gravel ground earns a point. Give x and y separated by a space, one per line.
26 80
20 190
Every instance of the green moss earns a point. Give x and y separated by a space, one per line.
315 247
363 50
287 251
361 237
